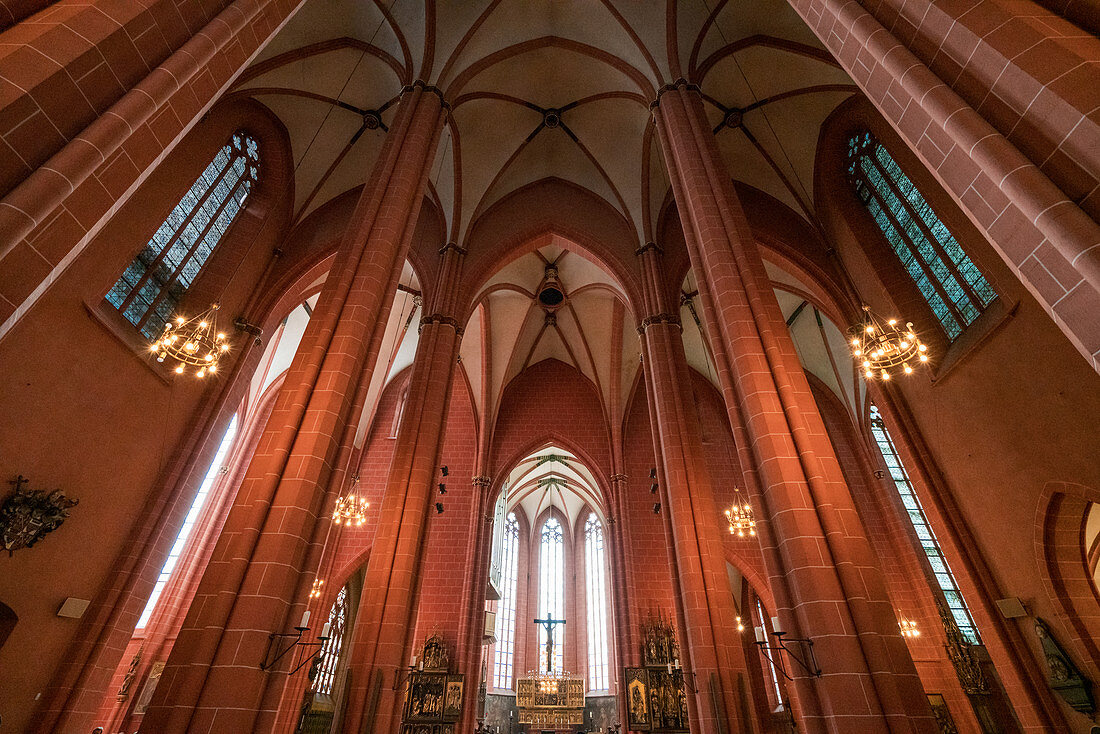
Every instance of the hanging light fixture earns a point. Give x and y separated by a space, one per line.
883 348
908 628
315 591
192 343
351 509
740 516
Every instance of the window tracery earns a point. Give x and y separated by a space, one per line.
595 576
505 632
330 648
552 582
952 285
152 285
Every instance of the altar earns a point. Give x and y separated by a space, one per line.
550 700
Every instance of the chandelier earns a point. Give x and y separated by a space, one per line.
351 509
194 343
315 590
882 347
908 628
740 516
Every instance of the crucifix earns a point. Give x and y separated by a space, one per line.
548 625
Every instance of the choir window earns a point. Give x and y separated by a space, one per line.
153 284
595 575
330 648
928 542
189 523
956 291
552 583
506 608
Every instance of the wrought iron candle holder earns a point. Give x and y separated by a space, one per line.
803 654
295 645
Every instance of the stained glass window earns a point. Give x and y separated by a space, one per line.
944 578
330 648
596 577
551 585
950 282
189 522
153 284
506 607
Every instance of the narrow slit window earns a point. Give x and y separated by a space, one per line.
189 523
504 658
551 586
153 284
330 648
944 578
595 575
952 285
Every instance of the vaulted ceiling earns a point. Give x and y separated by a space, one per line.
553 89
547 88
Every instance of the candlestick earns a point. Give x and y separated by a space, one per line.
326 629
305 619
777 628
760 636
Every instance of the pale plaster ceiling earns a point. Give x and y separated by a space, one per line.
502 63
553 477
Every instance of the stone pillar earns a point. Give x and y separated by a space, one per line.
824 575
475 584
253 584
1004 120
707 613
624 628
383 626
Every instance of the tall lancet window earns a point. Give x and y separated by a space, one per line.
950 282
928 542
153 284
330 648
596 577
551 587
189 522
504 657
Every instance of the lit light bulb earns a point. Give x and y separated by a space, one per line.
868 374
200 373
212 368
922 348
924 358
885 375
892 322
179 320
908 369
179 369
870 330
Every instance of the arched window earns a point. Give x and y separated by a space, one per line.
950 282
596 577
189 523
153 284
506 609
551 585
928 542
330 648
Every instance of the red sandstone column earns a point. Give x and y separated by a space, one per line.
1004 119
380 640
213 681
711 651
828 585
475 583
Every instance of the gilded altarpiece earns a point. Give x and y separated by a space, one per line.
656 700
433 695
554 700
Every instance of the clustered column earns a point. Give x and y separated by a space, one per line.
383 625
256 577
707 614
824 576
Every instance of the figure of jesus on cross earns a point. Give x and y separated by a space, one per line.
548 625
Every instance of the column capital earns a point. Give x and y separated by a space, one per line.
431 89
438 318
649 246
660 318
482 481
452 246
618 477
680 83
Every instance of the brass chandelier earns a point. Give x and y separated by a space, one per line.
883 348
193 343
740 516
351 509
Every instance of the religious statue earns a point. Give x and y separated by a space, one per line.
548 625
131 673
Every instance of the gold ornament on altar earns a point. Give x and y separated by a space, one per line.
192 343
740 516
351 509
883 348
